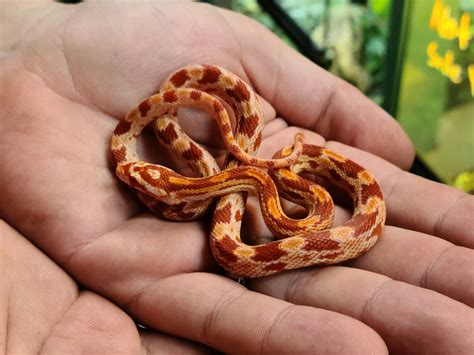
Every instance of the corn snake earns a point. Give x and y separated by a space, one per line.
299 243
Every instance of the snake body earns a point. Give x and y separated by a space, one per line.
299 242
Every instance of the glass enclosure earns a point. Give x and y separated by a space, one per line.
436 104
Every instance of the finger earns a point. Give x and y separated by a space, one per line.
218 312
419 204
160 343
268 110
433 208
409 319
29 283
428 262
307 96
271 128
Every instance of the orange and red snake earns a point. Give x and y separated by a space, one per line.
298 242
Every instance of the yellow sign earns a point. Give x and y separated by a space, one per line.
470 72
449 28
445 64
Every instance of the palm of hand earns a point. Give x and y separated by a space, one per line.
65 198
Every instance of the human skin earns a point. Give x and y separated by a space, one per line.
73 73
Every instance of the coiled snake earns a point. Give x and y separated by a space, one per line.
300 242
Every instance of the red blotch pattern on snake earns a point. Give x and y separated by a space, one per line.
300 242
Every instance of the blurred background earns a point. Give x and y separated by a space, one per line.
414 58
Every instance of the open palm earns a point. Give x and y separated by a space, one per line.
83 67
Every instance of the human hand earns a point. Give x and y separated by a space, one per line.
83 67
48 313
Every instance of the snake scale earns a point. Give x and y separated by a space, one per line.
297 242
